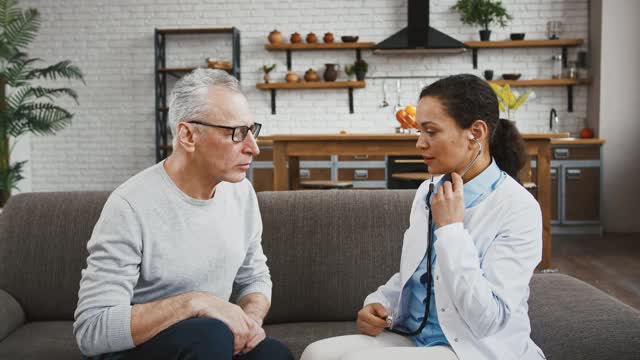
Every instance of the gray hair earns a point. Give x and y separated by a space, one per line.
190 96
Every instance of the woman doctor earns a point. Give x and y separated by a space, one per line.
486 240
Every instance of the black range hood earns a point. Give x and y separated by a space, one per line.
419 36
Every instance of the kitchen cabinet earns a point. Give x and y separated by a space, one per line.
575 187
366 172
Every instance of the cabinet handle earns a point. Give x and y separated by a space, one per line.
361 157
574 174
305 173
360 174
561 153
409 161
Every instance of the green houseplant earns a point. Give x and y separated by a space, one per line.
26 107
482 13
360 67
267 69
350 70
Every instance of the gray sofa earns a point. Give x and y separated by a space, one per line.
327 250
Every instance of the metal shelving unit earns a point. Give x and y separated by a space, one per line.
163 148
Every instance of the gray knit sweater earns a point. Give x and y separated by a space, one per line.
153 241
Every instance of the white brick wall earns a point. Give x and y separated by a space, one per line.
112 136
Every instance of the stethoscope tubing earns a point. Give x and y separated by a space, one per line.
429 252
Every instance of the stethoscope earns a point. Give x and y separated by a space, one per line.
389 318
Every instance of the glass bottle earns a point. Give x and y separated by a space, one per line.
556 66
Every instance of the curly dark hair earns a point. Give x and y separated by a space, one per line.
467 98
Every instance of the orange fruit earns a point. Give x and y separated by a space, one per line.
411 120
400 116
411 110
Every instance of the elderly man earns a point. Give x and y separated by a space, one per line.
175 240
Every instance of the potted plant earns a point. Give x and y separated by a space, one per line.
267 69
510 101
350 70
482 13
26 107
360 67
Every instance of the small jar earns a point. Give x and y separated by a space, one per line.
571 72
556 66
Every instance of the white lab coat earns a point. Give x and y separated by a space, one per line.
481 273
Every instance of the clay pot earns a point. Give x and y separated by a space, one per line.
311 75
266 78
330 73
312 38
275 37
295 38
328 38
292 77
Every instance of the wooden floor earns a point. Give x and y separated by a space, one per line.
610 263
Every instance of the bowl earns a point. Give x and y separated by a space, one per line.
517 36
511 76
348 38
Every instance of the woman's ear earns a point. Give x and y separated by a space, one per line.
480 130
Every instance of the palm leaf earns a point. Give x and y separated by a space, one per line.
63 69
51 93
6 51
16 100
23 29
18 70
10 176
8 12
46 118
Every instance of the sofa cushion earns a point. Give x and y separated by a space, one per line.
43 249
321 243
298 335
571 319
50 340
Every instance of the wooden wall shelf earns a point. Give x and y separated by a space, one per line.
350 85
562 43
312 85
569 83
319 46
523 43
538 82
196 31
180 71
288 47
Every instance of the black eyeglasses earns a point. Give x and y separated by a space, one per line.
239 132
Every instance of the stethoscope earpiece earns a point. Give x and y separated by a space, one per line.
473 138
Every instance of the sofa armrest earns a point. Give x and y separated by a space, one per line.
11 314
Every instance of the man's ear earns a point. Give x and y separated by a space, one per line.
185 137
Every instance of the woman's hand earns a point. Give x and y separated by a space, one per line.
447 205
372 319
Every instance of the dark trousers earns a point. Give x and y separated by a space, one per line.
198 339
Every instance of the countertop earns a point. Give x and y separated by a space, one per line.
267 140
577 141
